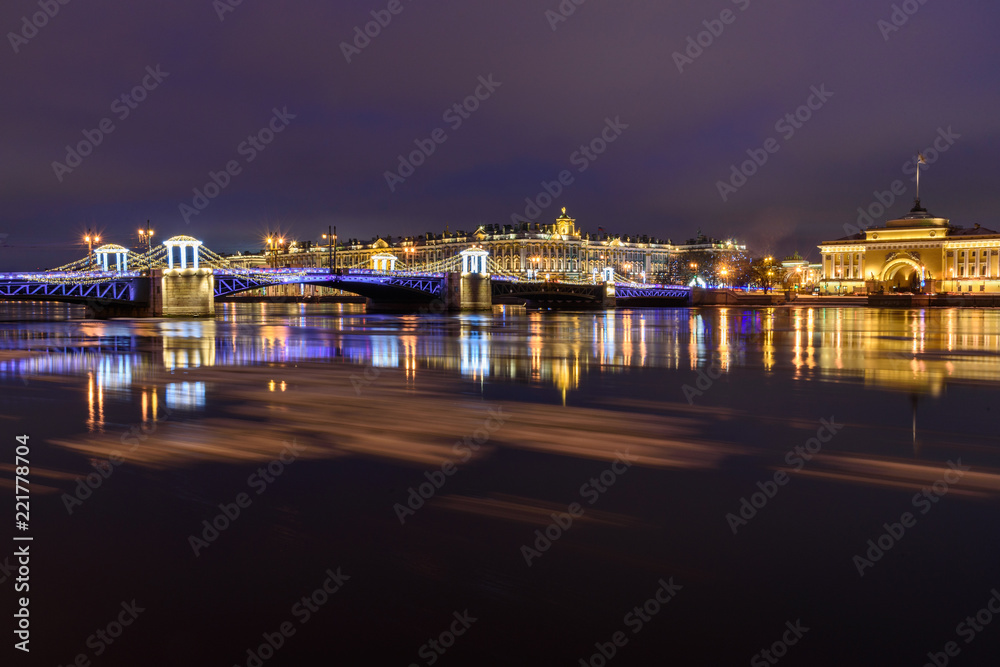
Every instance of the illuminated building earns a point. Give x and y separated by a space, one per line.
559 250
799 273
918 252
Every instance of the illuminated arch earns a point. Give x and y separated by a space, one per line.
893 266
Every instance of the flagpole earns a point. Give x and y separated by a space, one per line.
918 177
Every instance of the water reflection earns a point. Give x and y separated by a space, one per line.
916 351
187 395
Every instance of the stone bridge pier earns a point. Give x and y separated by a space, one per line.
183 293
181 290
468 292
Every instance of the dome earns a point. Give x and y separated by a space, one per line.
182 239
918 217
111 247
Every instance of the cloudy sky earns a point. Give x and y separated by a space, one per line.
662 118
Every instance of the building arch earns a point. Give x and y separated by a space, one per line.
893 266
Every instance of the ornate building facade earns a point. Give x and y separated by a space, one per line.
559 251
918 252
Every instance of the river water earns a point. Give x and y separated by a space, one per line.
634 487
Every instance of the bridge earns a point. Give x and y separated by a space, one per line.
184 278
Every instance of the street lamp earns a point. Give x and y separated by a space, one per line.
331 244
534 272
724 273
147 236
273 243
408 254
91 239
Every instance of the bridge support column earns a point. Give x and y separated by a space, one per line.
608 298
183 293
468 292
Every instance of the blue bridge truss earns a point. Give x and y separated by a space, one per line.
228 281
108 290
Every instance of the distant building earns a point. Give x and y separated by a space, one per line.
918 252
557 250
798 272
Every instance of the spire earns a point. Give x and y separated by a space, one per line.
920 161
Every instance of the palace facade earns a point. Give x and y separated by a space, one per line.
918 252
557 250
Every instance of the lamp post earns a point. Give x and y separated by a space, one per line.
91 239
147 236
331 244
273 244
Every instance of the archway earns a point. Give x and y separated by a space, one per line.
903 274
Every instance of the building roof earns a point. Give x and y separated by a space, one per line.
971 231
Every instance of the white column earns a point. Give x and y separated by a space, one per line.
194 249
465 263
183 250
124 262
170 256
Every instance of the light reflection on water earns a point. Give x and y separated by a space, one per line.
916 351
783 369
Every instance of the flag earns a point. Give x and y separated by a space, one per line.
600 229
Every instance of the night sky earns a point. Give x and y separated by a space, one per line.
215 75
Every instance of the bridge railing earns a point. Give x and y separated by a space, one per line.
62 277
